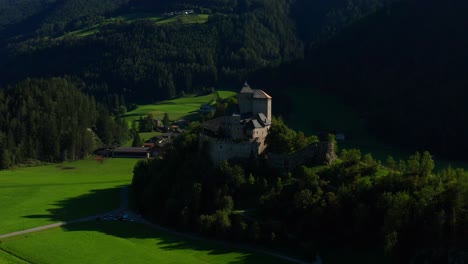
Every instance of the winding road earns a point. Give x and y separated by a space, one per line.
124 207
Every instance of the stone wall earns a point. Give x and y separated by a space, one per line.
317 153
226 149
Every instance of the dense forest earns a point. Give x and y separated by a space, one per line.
402 209
51 120
402 69
146 60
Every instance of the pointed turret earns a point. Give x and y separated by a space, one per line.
246 89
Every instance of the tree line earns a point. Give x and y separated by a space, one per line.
51 120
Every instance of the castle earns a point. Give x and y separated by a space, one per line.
242 134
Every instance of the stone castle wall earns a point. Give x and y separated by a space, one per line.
318 153
226 149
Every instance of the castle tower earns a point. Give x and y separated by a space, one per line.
245 100
252 102
261 104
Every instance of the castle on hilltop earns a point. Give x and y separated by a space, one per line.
242 134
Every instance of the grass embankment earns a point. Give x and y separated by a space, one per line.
132 18
36 196
184 107
121 242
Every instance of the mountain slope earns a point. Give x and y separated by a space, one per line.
403 69
145 59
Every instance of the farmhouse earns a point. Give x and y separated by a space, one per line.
242 134
125 152
133 152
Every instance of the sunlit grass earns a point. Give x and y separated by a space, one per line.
6 258
135 17
177 108
34 196
122 242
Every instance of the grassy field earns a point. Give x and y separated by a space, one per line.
120 242
132 18
6 258
35 196
184 19
177 108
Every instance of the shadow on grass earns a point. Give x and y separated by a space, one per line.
66 167
106 200
93 203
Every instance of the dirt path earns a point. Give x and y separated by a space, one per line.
124 207
40 228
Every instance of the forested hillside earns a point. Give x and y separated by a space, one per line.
144 59
152 61
399 64
402 69
127 54
51 120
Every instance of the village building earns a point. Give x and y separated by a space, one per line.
131 152
241 134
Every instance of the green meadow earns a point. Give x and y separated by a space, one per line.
121 242
184 107
135 17
36 196
184 19
6 258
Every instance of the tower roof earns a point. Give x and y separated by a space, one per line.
246 88
260 94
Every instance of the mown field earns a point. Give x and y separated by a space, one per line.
36 196
121 242
132 18
177 108
6 258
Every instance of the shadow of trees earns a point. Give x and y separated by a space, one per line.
95 202
98 201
